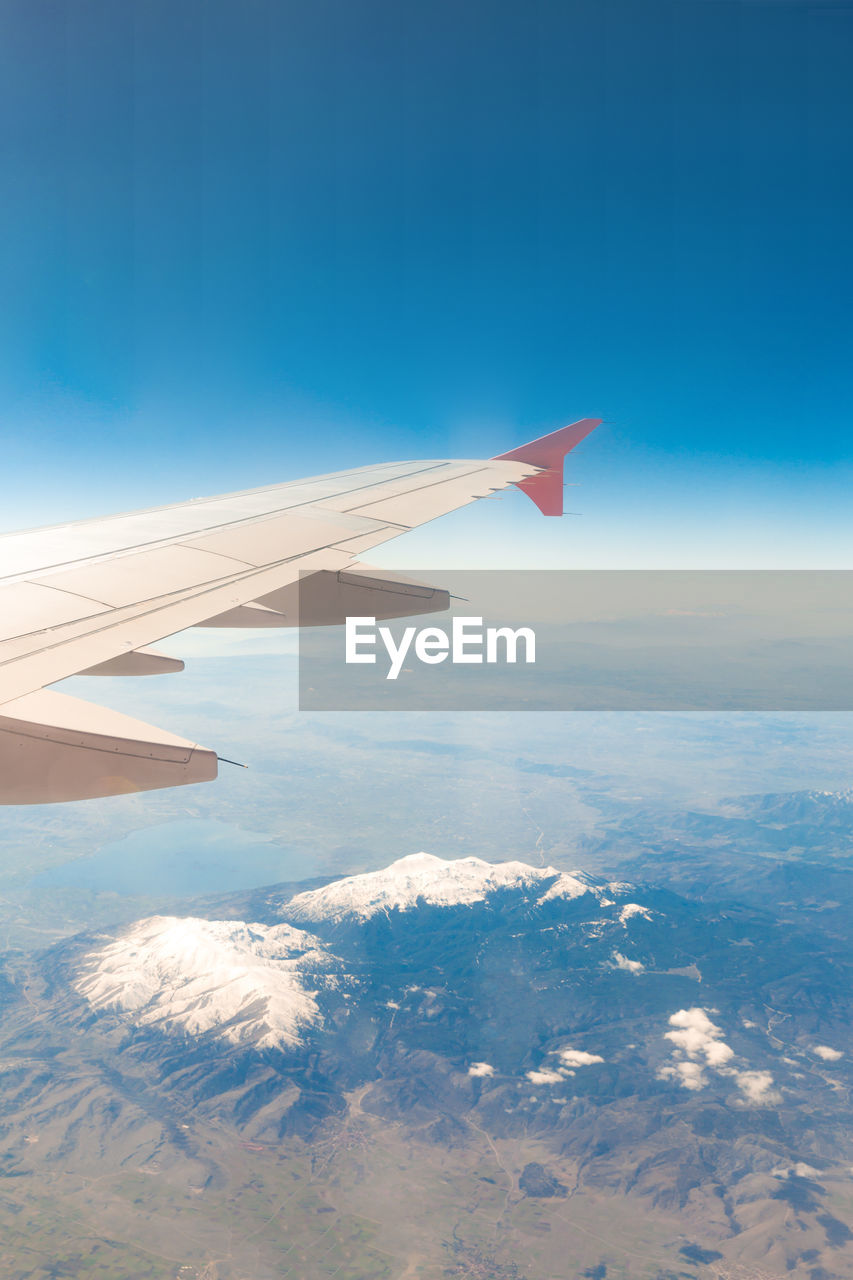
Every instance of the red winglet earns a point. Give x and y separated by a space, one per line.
548 452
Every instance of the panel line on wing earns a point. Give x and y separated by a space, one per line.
131 613
98 555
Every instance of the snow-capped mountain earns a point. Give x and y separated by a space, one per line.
246 983
495 966
257 984
666 1046
423 879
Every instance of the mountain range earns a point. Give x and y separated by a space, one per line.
686 1060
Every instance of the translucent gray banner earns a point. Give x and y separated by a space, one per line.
577 640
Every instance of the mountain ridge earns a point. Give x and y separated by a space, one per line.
691 1056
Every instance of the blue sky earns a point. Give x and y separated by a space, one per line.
245 241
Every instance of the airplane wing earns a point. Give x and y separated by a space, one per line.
90 597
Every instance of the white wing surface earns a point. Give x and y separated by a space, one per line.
90 597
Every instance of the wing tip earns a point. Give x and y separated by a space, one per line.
545 486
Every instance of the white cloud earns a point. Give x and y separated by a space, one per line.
828 1055
697 1036
757 1086
798 1170
689 1074
570 1059
545 1077
630 966
578 1058
481 1069
717 1053
699 1046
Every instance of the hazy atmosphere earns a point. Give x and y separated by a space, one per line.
464 993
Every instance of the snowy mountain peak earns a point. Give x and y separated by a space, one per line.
570 884
267 985
245 983
422 878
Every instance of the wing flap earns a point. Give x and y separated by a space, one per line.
138 662
327 599
248 617
55 748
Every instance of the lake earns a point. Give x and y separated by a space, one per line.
186 857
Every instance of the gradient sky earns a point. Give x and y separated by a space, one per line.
246 241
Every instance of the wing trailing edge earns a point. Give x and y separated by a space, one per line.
136 662
328 597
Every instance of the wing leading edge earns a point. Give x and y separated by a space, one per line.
91 597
